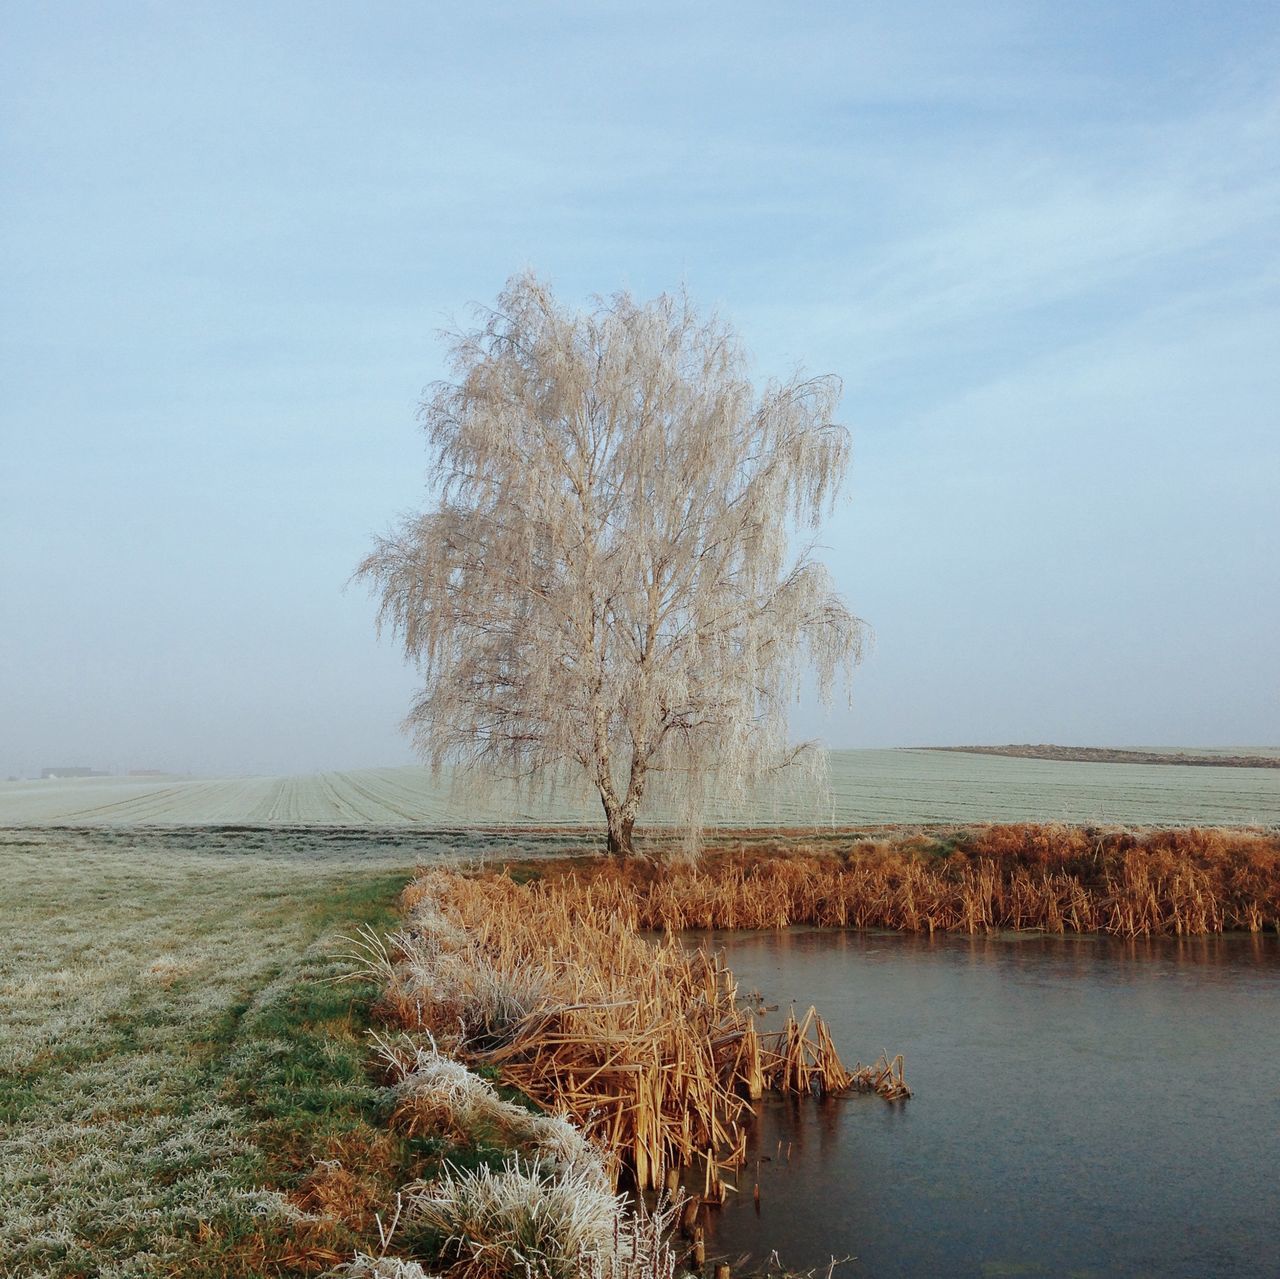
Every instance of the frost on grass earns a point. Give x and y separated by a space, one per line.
363 1266
527 1220
127 976
550 1211
438 1095
468 995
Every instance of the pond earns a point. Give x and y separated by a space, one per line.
1084 1107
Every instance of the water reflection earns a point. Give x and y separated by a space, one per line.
1084 1106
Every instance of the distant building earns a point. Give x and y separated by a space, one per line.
47 774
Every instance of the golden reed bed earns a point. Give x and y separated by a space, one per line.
644 1043
1053 877
645 1046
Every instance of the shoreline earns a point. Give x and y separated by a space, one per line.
641 1049
521 965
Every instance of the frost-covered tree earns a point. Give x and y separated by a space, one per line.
602 585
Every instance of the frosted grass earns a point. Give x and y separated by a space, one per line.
118 962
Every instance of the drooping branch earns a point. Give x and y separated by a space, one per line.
603 582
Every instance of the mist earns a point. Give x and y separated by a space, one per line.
1044 263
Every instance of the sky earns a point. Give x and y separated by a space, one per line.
1040 243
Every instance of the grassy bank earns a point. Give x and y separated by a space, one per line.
179 1081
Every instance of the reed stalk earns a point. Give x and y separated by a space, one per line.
1056 878
644 1046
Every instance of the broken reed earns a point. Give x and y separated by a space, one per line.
1053 877
644 1045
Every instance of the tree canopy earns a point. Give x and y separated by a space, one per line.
603 583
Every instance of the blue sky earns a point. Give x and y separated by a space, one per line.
1040 243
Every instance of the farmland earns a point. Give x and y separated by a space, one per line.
867 787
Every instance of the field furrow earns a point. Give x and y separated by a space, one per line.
866 788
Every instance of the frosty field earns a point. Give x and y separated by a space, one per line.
167 1043
867 787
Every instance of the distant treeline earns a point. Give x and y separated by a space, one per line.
1055 878
1105 755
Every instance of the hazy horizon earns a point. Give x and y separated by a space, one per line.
143 774
1039 245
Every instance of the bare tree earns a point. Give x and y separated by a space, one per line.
602 585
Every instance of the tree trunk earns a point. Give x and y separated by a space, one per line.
620 828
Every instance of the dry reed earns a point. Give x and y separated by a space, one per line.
519 1222
645 1046
1053 877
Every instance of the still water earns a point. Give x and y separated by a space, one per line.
1083 1107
